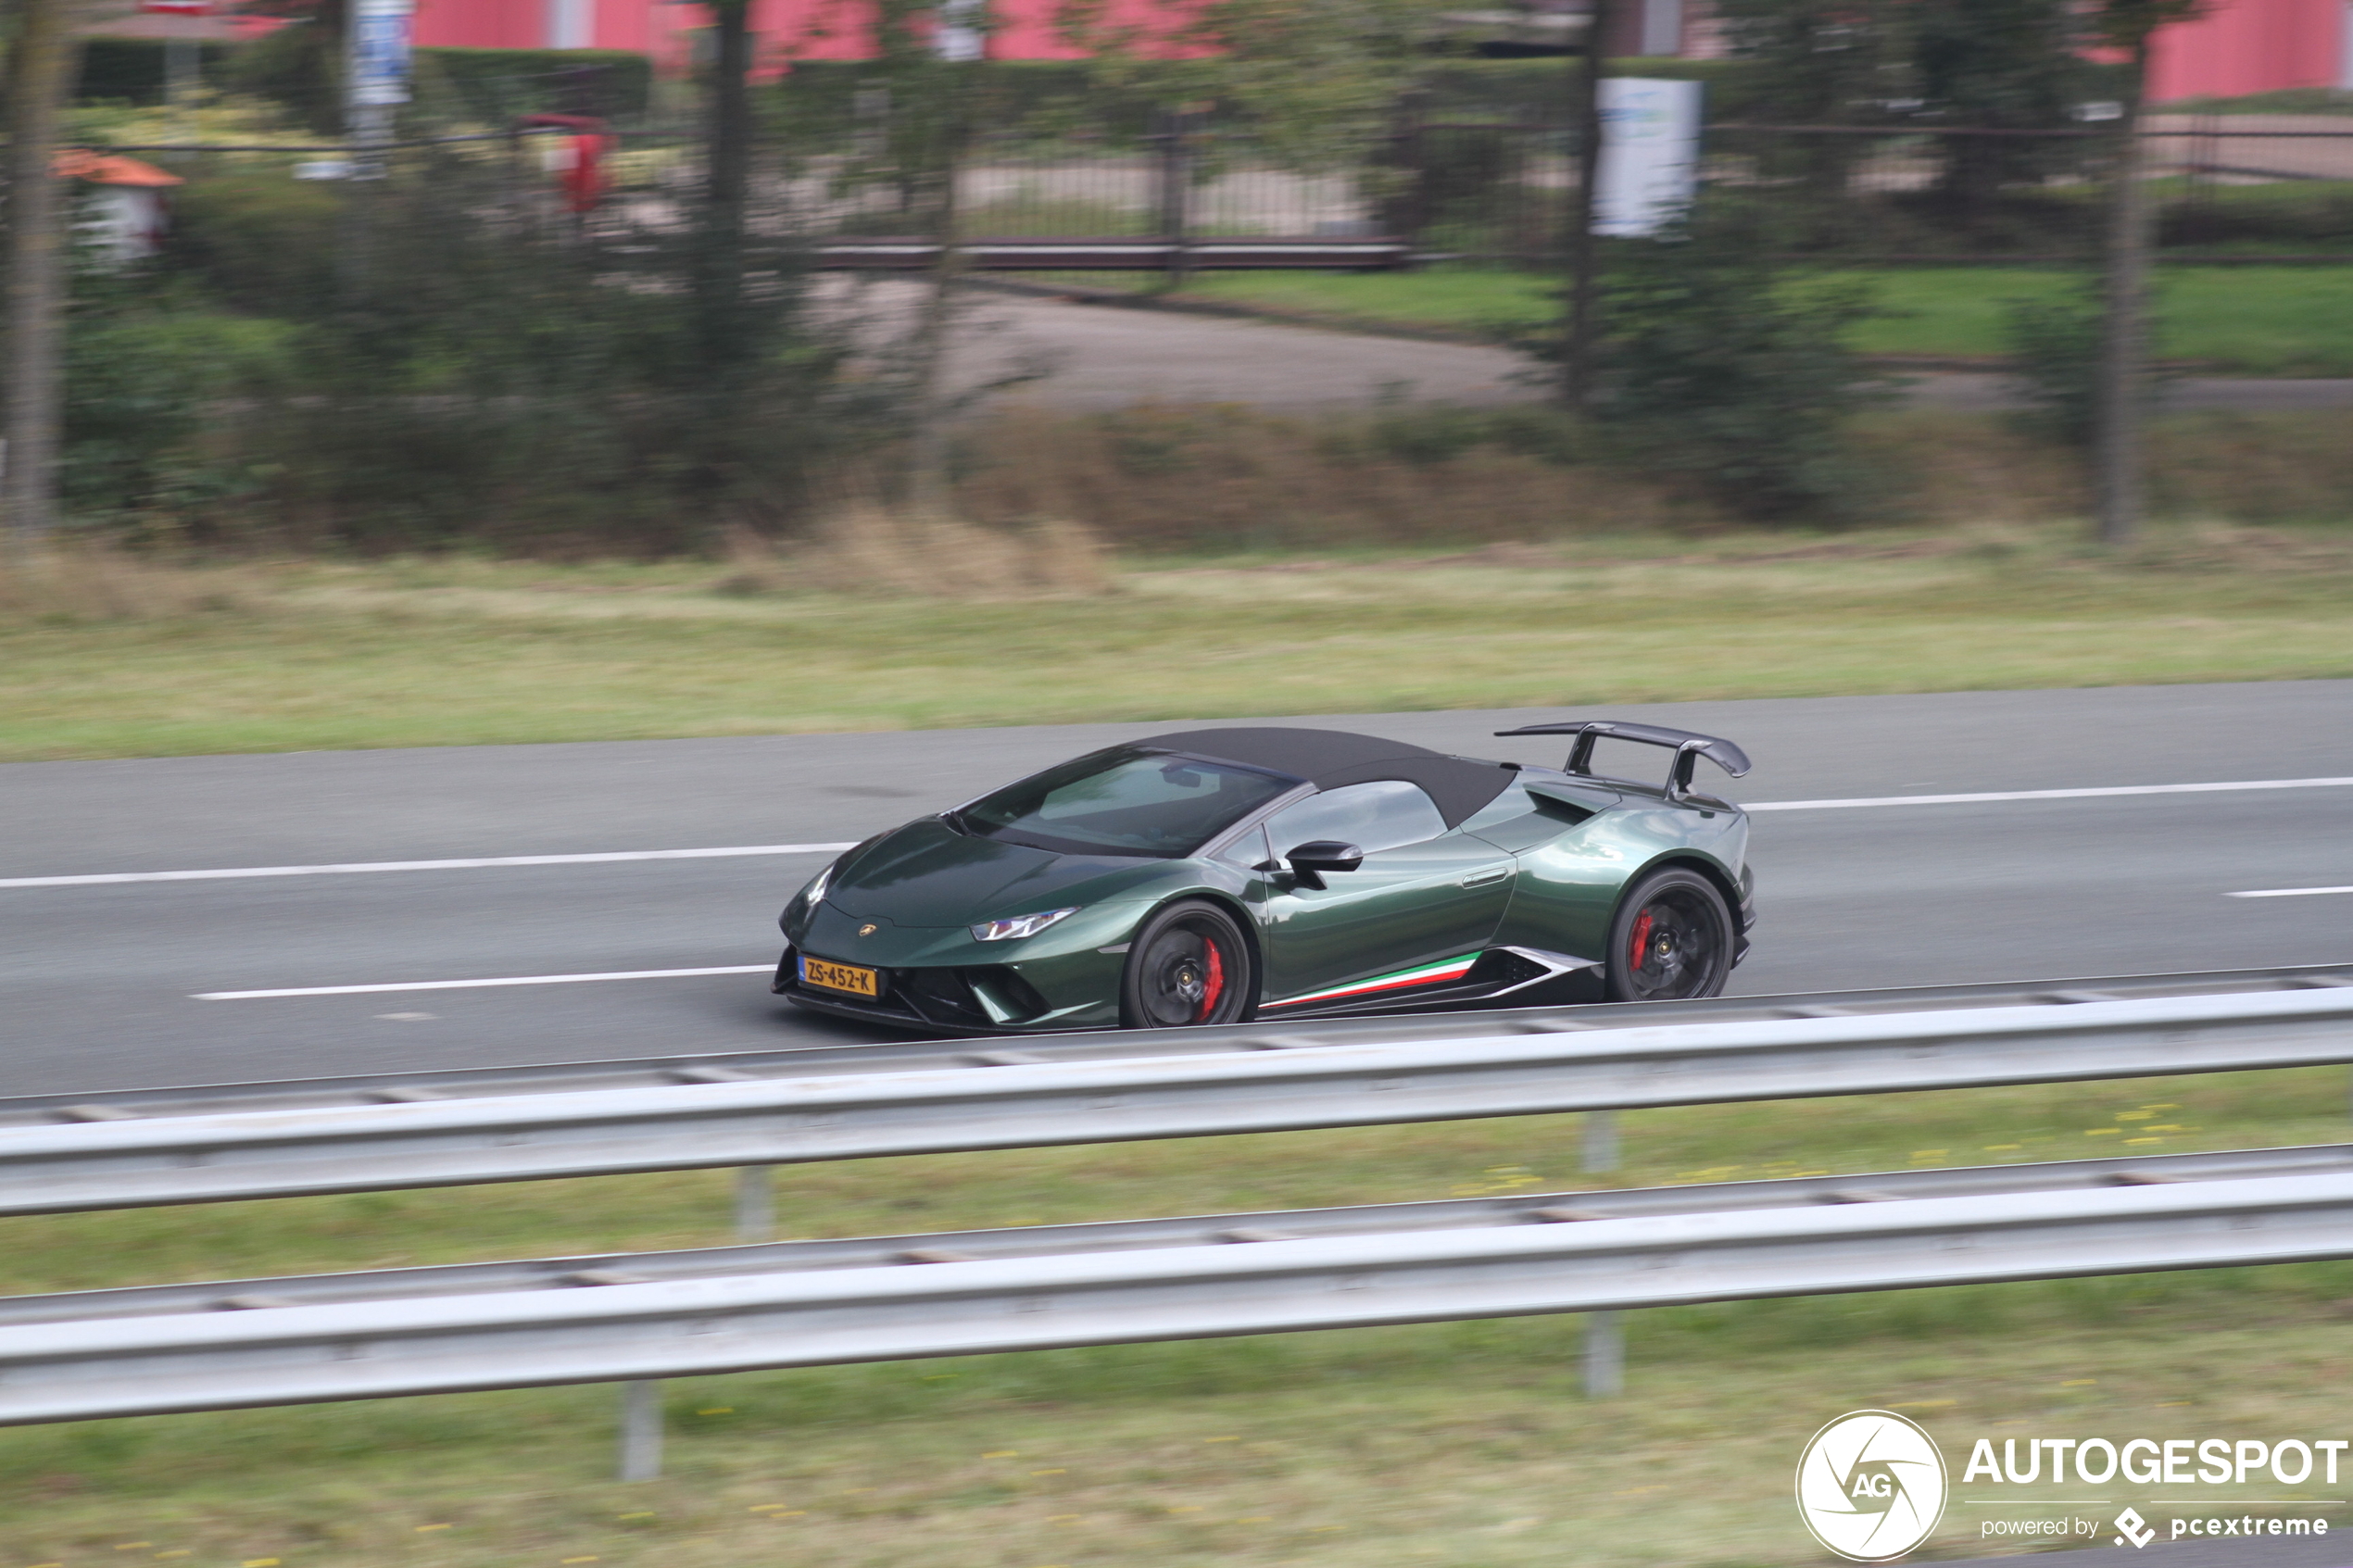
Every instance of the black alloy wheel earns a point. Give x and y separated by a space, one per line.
1188 964
1671 940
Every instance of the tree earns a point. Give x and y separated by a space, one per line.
2009 65
2127 26
1584 285
1718 367
43 59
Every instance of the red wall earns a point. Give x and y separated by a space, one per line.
2239 46
2250 46
788 29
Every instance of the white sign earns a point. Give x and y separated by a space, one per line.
380 51
1650 154
960 32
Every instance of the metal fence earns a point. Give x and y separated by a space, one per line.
2228 188
1204 196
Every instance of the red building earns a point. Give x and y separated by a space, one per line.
2238 46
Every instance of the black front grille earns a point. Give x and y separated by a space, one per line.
940 996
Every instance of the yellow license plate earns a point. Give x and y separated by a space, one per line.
839 976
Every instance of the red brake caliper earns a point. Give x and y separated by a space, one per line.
1213 985
1642 942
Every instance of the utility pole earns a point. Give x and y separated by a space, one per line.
41 68
1584 285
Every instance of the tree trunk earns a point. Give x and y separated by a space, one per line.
2124 373
731 112
727 177
1585 284
927 457
40 73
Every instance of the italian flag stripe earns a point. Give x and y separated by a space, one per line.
1445 969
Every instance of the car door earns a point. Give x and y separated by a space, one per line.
1424 894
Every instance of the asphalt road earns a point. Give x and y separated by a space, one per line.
97 983
1106 357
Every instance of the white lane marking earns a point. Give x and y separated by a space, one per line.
2040 795
427 865
2286 892
470 984
362 866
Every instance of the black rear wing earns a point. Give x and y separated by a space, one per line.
1687 747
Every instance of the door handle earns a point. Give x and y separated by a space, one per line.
1488 877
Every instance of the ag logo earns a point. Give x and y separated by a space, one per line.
1871 1486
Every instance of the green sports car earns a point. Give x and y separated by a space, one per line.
1215 876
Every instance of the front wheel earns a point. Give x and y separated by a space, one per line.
1671 940
1187 965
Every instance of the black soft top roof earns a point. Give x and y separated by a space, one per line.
1330 758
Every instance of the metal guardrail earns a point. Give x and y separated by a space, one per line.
776 1317
596 1270
811 1061
124 1163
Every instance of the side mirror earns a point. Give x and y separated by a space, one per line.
1312 862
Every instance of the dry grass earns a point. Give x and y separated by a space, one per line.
1177 477
79 580
461 650
869 548
1190 477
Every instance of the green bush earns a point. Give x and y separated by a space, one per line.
131 70
1715 367
2054 345
144 369
1539 89
497 84
295 66
262 243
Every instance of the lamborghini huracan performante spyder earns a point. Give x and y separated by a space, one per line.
1216 876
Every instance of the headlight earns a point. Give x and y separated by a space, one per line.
814 894
1020 925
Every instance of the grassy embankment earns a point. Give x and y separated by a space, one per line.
2238 321
454 651
1465 1444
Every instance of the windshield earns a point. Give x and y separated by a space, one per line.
1122 801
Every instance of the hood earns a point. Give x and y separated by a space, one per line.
928 875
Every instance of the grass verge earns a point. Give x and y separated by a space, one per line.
2245 321
1464 1444
459 652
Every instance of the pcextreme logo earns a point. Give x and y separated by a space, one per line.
1871 1486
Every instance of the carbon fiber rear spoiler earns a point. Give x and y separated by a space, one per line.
1687 747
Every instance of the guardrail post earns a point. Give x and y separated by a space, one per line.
1601 1140
641 1429
1604 1356
755 1202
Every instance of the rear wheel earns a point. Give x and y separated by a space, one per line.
1187 965
1671 940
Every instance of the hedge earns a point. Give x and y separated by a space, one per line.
488 84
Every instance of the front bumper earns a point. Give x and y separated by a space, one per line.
970 998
